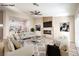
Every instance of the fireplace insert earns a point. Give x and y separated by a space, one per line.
47 31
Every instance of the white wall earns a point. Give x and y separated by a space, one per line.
64 37
77 28
6 17
77 31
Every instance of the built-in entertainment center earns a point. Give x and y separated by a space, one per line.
47 25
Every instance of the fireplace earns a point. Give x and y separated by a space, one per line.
47 31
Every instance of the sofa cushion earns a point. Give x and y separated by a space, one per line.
10 45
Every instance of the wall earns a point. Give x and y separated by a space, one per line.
77 31
64 37
6 17
77 28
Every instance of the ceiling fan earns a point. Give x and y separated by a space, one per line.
35 12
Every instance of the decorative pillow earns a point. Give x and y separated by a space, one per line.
10 45
16 36
64 50
17 44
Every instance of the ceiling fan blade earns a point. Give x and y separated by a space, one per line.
31 11
39 12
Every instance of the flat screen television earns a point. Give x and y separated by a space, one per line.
47 24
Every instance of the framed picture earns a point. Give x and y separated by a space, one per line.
38 27
64 27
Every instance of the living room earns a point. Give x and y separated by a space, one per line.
29 28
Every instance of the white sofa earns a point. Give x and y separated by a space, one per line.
10 50
24 51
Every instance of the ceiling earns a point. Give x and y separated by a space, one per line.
48 9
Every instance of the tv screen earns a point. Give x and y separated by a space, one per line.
47 24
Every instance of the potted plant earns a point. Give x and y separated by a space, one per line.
32 29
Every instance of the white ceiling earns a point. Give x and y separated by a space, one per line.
49 9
